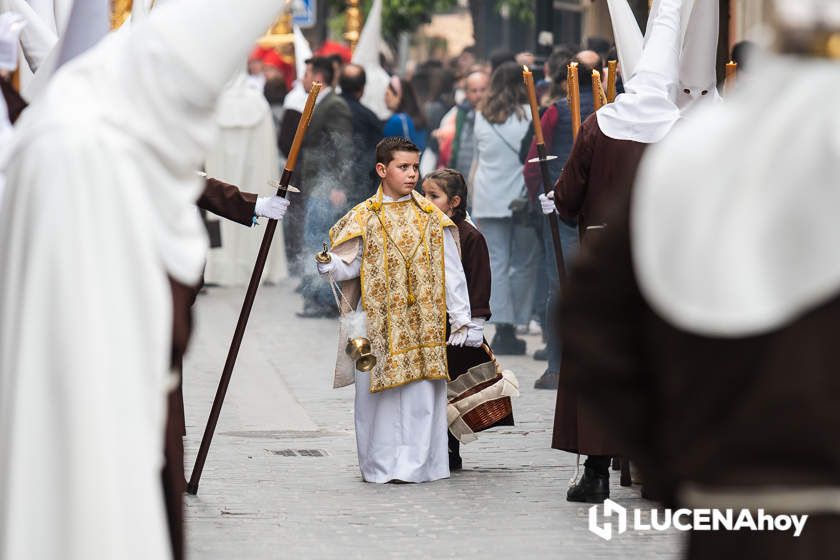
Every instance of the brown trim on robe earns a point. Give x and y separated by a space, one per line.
14 102
227 201
600 169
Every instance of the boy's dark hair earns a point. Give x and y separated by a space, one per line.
453 184
390 144
324 66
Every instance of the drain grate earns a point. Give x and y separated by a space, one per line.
311 453
298 452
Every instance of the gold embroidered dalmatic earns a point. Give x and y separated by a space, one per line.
403 286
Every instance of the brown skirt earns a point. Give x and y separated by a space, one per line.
172 476
577 429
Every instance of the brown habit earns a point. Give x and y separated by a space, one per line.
758 411
14 102
228 202
599 172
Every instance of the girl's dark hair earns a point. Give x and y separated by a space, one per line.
453 184
506 95
409 105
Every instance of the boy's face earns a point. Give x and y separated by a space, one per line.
400 176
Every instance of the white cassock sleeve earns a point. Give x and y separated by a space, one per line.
457 295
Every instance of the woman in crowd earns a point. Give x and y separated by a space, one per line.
408 120
500 204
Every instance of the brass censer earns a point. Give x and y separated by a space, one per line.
358 348
359 351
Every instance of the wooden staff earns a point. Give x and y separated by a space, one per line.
598 97
256 277
731 77
543 159
612 78
573 84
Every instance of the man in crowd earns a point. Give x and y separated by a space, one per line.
326 175
367 132
456 133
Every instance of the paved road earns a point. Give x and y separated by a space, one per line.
282 478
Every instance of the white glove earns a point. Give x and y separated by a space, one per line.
459 337
271 207
475 333
470 334
547 203
324 268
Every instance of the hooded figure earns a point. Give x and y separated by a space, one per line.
628 37
698 60
697 82
366 55
702 327
600 169
647 110
109 154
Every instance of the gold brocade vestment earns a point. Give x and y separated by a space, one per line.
403 290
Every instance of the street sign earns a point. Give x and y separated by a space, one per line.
304 13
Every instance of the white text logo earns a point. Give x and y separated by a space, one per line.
688 520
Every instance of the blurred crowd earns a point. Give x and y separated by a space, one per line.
464 113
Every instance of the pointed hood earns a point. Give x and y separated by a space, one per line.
38 38
45 10
61 13
698 61
11 25
648 111
303 52
367 56
88 22
734 225
158 83
629 40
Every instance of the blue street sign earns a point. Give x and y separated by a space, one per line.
304 13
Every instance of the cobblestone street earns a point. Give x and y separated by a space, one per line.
282 481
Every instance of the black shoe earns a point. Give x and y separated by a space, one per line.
541 355
455 462
592 488
548 380
317 313
505 342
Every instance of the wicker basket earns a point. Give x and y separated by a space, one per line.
488 414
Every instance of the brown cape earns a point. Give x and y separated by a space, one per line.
600 171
